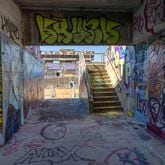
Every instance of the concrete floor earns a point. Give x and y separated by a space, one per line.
62 132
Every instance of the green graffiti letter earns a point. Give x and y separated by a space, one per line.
78 32
47 35
110 36
60 27
94 35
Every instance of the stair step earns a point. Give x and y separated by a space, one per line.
100 80
99 74
104 93
96 67
100 89
106 103
105 98
101 85
95 71
94 78
107 108
103 82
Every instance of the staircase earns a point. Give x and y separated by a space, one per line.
104 95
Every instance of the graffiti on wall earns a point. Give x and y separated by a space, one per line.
1 90
12 85
128 71
33 82
13 121
146 19
77 30
156 87
139 68
62 66
9 28
146 70
116 56
135 79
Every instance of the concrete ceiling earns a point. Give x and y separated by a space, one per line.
79 5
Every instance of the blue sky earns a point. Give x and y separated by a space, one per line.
98 49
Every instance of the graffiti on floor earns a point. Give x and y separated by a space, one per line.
124 156
127 156
51 155
55 131
19 142
34 143
13 146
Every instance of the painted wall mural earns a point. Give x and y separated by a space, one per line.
134 80
144 84
147 18
77 30
116 57
12 69
156 87
33 83
22 85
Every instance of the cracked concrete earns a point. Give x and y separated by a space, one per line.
62 132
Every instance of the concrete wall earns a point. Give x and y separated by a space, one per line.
33 83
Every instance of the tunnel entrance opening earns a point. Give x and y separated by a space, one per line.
61 68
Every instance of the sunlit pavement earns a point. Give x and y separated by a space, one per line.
62 132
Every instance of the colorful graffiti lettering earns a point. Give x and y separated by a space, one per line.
156 87
138 23
142 103
128 70
139 68
77 30
150 14
116 58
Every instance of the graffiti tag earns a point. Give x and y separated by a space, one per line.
9 28
51 155
77 30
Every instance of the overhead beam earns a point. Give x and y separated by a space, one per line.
79 4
